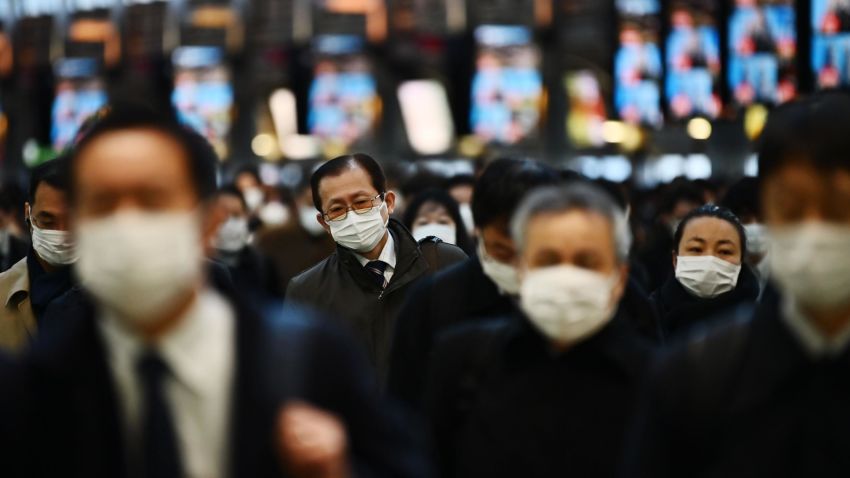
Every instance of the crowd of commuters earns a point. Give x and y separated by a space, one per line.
522 321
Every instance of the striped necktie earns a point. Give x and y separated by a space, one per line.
377 268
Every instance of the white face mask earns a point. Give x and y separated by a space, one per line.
254 198
567 303
504 275
307 218
444 232
274 214
706 276
757 242
466 216
55 247
360 232
138 265
232 235
811 263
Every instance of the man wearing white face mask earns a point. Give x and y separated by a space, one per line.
710 276
477 289
28 288
253 274
161 370
553 392
767 393
377 261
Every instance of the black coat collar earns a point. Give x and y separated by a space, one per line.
409 263
483 293
676 303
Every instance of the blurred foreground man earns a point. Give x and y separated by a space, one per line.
478 288
550 392
768 394
165 375
29 287
377 261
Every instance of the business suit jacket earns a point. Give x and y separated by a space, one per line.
72 426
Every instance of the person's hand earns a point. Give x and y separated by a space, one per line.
313 443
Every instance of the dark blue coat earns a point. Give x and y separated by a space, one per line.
71 424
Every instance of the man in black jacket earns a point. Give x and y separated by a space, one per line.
156 372
377 261
549 392
467 291
767 394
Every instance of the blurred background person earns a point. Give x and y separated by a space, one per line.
377 261
434 213
164 374
743 200
299 245
479 288
554 387
766 393
676 202
710 276
460 187
14 241
253 274
44 275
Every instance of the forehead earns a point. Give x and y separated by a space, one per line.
131 156
432 207
710 229
576 228
48 196
351 180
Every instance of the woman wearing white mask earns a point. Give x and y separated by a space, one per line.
767 393
433 213
551 394
710 277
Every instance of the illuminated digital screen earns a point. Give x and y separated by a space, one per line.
507 88
343 98
762 51
587 112
203 94
693 60
831 42
637 64
80 92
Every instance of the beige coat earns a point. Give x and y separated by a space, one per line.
17 321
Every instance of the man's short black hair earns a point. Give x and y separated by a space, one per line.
337 166
232 190
504 183
459 180
743 199
813 130
678 192
202 160
53 172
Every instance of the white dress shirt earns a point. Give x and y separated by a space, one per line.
388 256
814 342
200 353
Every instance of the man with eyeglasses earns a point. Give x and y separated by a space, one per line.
44 274
377 261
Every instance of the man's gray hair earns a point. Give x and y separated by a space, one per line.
581 196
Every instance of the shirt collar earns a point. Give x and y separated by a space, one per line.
190 350
387 256
814 342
